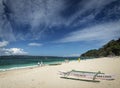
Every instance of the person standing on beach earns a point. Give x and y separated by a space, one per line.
41 64
78 59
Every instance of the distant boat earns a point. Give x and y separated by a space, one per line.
55 64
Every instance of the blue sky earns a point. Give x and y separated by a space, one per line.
57 27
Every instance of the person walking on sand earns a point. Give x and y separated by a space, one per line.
38 63
78 59
41 63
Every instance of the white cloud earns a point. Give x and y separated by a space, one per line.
35 13
3 43
12 51
88 5
41 15
6 31
16 51
35 44
101 32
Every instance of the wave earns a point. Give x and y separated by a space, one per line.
15 68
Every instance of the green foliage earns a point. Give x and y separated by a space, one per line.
112 48
90 53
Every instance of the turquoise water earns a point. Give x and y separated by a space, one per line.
15 66
19 63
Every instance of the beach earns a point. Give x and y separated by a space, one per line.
48 76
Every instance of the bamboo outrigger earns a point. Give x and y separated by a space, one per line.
86 75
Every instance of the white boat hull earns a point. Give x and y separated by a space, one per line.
87 75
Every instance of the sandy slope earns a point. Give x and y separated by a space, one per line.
47 76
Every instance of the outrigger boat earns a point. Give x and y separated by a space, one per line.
86 75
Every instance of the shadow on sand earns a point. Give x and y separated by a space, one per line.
96 81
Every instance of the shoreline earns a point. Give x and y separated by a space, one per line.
47 76
34 66
27 66
50 63
56 62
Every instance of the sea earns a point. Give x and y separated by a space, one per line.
20 62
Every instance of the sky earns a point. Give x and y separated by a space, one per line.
57 27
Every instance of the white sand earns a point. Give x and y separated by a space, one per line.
47 77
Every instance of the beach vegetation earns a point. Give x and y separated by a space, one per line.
112 48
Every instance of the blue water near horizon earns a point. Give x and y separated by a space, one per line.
19 63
